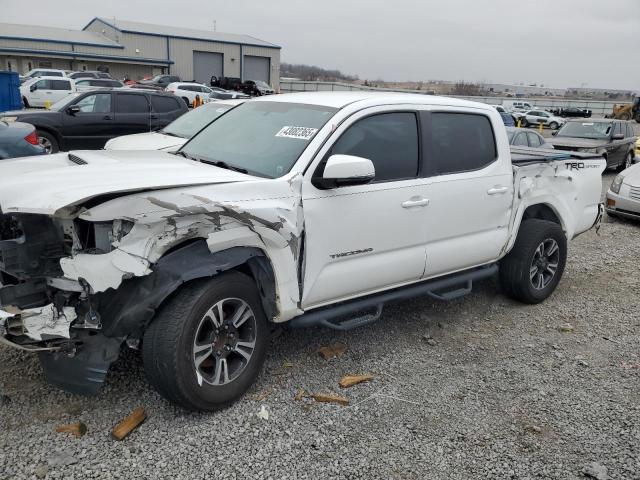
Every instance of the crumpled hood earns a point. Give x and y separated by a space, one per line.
577 142
45 184
145 141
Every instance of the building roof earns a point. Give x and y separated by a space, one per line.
179 32
13 31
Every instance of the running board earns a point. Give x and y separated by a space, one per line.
447 288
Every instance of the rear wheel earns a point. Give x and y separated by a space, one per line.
533 268
26 102
523 122
186 100
48 141
625 116
208 343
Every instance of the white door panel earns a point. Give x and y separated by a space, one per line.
362 238
468 219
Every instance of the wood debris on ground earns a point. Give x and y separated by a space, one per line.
332 351
351 380
264 394
300 395
76 429
131 422
330 398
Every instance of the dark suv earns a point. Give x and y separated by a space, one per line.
88 120
613 139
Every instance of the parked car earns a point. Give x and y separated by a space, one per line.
40 90
196 256
521 137
86 84
257 88
176 134
571 112
149 87
18 139
161 81
517 106
623 196
187 91
537 117
87 120
89 74
43 72
613 139
227 83
221 94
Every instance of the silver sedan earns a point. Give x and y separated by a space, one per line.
623 197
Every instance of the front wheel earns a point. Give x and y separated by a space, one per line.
532 269
208 343
627 162
523 122
553 125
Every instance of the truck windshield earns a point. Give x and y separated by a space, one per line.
595 130
263 138
191 123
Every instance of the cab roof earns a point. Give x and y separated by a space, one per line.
342 99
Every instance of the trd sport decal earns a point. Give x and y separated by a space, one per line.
348 254
579 165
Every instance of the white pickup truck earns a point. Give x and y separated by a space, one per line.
311 209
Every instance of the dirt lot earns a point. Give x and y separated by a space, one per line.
481 387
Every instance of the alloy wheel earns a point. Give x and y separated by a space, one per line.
544 264
224 342
45 143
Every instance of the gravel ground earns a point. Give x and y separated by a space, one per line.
481 387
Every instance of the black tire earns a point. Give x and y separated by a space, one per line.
48 141
553 125
516 268
626 163
170 341
26 102
186 100
523 122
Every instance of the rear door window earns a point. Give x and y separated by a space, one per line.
132 103
60 85
97 103
389 140
460 142
164 104
43 84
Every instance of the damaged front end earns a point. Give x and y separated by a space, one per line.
75 286
41 310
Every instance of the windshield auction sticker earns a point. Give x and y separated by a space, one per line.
302 133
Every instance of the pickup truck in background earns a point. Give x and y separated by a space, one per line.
340 203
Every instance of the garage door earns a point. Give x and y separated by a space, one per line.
257 68
206 64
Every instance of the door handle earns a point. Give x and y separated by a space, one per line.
417 202
107 117
153 117
497 190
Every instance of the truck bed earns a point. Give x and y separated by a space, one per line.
526 155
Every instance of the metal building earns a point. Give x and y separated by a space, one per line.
136 50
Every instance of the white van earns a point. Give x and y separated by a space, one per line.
40 90
517 106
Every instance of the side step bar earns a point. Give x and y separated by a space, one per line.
446 288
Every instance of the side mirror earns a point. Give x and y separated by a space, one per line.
344 170
618 136
33 88
73 109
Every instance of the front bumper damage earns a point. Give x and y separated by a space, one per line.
75 287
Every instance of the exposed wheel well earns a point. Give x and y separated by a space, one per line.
542 212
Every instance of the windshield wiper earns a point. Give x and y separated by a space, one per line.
182 154
225 165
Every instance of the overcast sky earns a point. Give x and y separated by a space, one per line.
560 43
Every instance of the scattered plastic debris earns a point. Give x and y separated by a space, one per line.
263 413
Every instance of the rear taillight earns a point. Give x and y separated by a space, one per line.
32 138
169 91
